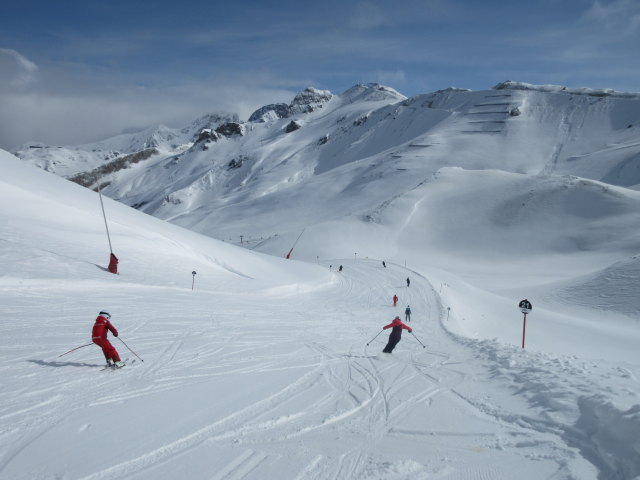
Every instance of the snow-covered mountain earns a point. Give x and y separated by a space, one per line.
370 161
367 137
68 161
270 368
258 367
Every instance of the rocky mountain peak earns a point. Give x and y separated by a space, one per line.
371 92
272 111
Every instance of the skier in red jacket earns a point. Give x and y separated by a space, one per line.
99 336
395 300
396 333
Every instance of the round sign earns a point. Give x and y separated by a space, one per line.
525 306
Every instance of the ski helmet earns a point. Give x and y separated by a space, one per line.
104 314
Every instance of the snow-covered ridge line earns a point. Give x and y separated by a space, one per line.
594 92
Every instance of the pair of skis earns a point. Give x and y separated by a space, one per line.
115 367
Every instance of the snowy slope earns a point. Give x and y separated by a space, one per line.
269 368
444 180
263 371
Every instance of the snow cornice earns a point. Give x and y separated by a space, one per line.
600 92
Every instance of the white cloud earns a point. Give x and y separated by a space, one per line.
74 106
390 78
367 15
16 71
619 16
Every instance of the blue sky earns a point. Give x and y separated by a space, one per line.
77 71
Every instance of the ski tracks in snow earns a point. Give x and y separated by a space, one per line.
242 399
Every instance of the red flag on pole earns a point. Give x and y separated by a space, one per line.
113 264
113 260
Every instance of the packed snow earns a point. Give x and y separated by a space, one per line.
263 369
258 367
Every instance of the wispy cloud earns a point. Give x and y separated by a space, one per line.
62 106
621 17
107 66
391 78
16 71
367 15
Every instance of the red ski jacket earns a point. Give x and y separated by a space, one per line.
100 329
397 323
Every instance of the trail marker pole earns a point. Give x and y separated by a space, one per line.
525 307
288 255
193 281
113 260
105 217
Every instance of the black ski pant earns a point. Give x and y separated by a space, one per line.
394 338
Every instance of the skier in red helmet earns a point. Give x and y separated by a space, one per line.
99 336
395 335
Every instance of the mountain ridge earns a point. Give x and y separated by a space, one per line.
333 148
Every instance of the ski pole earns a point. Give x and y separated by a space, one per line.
375 337
130 349
74 349
414 336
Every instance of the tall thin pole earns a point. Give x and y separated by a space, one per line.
105 217
524 327
294 243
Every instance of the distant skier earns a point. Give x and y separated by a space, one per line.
340 268
408 281
395 335
407 314
99 336
384 264
395 300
